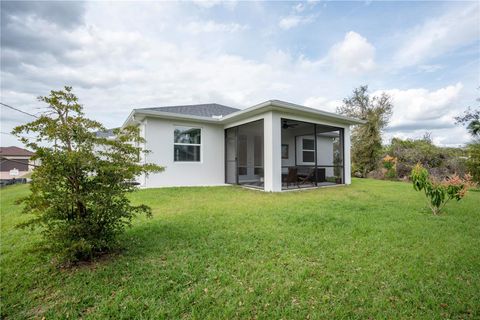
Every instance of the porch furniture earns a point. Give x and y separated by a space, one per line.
310 177
291 177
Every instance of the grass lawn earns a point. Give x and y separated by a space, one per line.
370 250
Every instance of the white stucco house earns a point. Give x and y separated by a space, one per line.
272 146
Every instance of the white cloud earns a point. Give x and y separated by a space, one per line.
353 55
212 3
196 27
322 103
299 7
417 111
115 66
293 21
439 35
422 106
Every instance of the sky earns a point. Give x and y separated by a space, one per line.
124 55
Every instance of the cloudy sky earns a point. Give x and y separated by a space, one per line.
124 55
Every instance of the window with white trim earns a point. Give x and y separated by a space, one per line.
187 144
308 150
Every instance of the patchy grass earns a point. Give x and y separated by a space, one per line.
370 250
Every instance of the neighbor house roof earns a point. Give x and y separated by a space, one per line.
216 113
106 133
201 110
15 151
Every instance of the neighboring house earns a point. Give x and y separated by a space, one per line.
15 162
272 146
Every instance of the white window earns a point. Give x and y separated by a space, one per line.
308 150
187 143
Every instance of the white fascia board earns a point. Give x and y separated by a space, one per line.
293 108
137 115
271 105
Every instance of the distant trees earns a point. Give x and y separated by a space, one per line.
79 192
367 138
439 161
471 119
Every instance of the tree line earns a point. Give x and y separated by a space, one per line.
371 158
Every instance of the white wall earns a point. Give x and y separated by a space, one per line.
209 171
273 152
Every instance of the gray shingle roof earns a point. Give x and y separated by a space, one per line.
202 110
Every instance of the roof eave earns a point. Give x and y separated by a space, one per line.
274 104
138 114
256 109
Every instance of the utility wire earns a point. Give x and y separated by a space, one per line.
13 160
16 109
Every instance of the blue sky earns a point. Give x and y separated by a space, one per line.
121 55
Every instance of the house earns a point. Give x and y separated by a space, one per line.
273 146
15 162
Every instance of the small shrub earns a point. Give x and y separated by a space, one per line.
390 164
439 193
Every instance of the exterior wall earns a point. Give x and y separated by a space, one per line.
347 160
273 152
23 164
209 171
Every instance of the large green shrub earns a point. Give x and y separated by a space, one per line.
473 161
439 193
439 161
79 192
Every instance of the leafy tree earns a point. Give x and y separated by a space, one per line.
439 193
367 138
471 118
79 191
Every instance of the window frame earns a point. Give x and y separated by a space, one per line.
175 126
308 150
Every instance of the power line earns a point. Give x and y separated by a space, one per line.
3 159
16 109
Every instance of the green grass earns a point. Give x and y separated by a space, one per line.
370 250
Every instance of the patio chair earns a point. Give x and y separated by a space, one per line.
291 177
310 177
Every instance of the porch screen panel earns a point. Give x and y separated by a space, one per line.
231 156
250 154
330 153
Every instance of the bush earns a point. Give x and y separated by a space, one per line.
390 164
439 161
473 161
439 193
79 192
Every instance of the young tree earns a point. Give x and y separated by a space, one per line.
439 193
367 138
79 191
